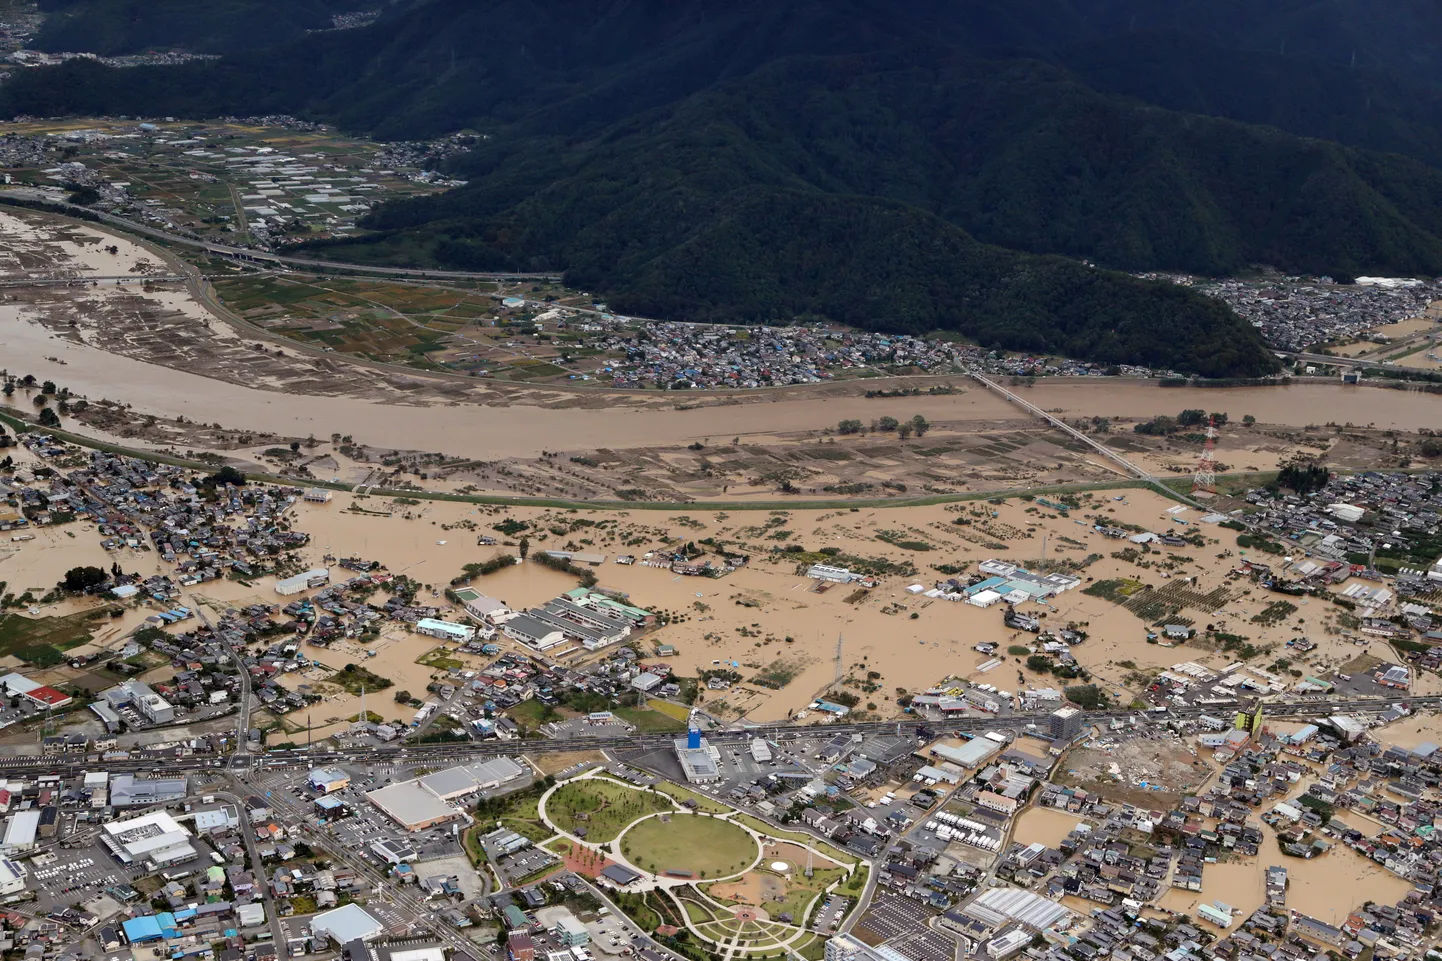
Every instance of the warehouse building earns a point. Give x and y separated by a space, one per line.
424 802
318 577
154 837
345 924
127 790
21 832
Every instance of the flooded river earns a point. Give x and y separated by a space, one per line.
518 431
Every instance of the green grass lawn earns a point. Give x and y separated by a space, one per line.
703 803
520 814
601 807
440 659
648 721
835 854
355 677
704 846
528 713
40 640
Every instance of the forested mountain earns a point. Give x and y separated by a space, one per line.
110 27
866 160
1032 161
1377 109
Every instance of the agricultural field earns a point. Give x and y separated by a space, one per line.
226 182
40 641
471 329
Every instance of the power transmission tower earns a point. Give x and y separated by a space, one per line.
810 861
840 644
1204 481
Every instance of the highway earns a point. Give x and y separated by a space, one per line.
427 754
264 257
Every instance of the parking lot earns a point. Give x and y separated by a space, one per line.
893 916
832 910
364 825
926 946
74 879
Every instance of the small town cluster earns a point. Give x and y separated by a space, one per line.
710 356
1300 313
573 800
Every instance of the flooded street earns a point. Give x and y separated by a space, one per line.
1326 887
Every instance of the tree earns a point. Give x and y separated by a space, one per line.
1192 417
228 475
1248 420
350 668
524 547
849 427
48 387
904 430
48 418
884 424
921 425
403 697
295 447
83 578
9 388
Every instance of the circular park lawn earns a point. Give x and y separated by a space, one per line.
689 845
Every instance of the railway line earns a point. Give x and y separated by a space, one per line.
420 754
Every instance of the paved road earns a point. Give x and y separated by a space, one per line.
261 256
239 754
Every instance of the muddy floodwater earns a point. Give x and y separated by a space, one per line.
1327 888
520 431
1039 825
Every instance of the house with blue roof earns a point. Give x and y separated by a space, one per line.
150 927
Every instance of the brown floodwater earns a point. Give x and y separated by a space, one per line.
521 431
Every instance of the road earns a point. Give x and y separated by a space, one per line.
238 757
261 256
400 896
421 754
247 831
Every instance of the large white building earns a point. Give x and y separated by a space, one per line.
345 924
843 947
12 877
154 837
445 630
20 832
319 577
426 801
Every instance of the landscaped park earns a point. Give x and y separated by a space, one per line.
730 884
